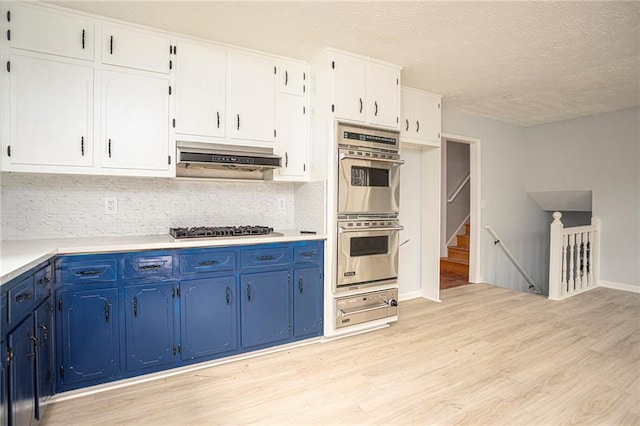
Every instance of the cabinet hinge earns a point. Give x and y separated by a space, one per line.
9 151
169 90
333 108
9 35
170 64
173 123
8 16
60 305
169 160
333 65
62 371
8 66
9 355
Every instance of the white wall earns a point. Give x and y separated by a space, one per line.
51 206
519 221
601 154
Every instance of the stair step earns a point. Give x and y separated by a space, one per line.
467 229
455 252
456 266
462 241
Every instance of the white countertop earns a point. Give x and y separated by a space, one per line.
17 257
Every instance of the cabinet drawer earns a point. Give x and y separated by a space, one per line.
21 300
148 266
267 256
308 253
43 280
207 261
103 270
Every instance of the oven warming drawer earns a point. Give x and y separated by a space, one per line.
366 307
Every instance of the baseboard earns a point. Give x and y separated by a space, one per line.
410 295
619 286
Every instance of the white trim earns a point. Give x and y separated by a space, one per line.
620 286
409 295
475 211
573 293
431 299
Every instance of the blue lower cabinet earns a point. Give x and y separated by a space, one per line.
22 373
44 364
88 332
208 316
265 307
3 386
307 301
149 318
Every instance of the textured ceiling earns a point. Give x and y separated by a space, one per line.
526 63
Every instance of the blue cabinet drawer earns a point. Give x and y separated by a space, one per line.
21 300
207 261
81 271
43 280
309 252
265 256
143 266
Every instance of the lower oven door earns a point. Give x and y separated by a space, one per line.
367 257
366 307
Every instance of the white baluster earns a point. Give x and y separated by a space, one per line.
572 263
590 260
565 280
583 260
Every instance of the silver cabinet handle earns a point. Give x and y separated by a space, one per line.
380 160
342 229
344 312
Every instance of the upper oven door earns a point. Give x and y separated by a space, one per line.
367 256
367 185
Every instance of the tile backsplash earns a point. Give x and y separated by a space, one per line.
53 206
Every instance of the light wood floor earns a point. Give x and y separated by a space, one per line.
485 356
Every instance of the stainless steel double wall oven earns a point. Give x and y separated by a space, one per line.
368 226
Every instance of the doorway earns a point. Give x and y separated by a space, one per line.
460 211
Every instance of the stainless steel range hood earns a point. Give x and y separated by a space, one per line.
205 160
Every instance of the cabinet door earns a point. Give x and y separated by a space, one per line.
407 129
291 140
46 31
205 302
89 335
3 386
149 318
426 117
265 308
384 95
22 390
44 366
349 87
135 122
251 112
292 78
51 113
200 90
132 48
307 301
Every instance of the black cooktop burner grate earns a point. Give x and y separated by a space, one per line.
218 231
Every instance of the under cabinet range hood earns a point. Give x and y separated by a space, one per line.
206 160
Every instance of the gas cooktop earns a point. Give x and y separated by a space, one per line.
221 231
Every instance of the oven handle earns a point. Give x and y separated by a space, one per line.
359 311
379 160
342 229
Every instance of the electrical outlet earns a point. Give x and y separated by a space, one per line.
110 205
281 204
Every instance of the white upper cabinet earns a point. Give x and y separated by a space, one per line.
383 100
364 91
421 117
349 87
291 140
135 130
292 78
49 32
51 114
133 48
200 90
251 97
